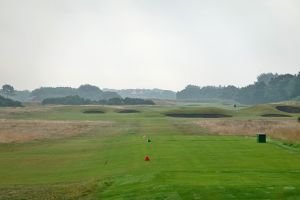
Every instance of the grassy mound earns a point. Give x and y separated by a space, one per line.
259 109
264 110
208 112
288 109
275 115
128 111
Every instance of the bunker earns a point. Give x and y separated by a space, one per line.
261 138
93 111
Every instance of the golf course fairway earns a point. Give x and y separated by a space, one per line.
107 160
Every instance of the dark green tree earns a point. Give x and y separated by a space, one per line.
266 77
5 102
191 92
296 90
8 90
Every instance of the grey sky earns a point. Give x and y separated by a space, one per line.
146 43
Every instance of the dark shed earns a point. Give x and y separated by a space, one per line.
261 138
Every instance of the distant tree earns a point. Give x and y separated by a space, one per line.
145 93
137 101
5 102
109 95
94 93
68 100
296 90
280 88
84 91
50 92
22 96
229 92
268 88
210 92
190 92
89 88
8 90
196 93
77 100
266 77
115 101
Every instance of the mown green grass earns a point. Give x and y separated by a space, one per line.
186 162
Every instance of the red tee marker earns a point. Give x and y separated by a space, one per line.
147 158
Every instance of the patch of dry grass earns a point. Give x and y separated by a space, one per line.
26 130
288 130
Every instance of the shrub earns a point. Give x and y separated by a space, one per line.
5 102
77 100
69 100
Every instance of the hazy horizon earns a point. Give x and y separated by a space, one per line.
146 44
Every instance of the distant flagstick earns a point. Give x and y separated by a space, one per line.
147 158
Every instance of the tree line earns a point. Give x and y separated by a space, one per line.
85 91
145 93
268 88
77 100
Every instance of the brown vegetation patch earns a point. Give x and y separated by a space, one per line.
80 190
288 109
197 115
4 112
288 130
26 130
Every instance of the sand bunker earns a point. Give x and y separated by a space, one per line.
288 109
197 115
128 111
93 111
275 115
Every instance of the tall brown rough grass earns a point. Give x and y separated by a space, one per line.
26 130
287 130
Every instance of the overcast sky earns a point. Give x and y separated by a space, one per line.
146 43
